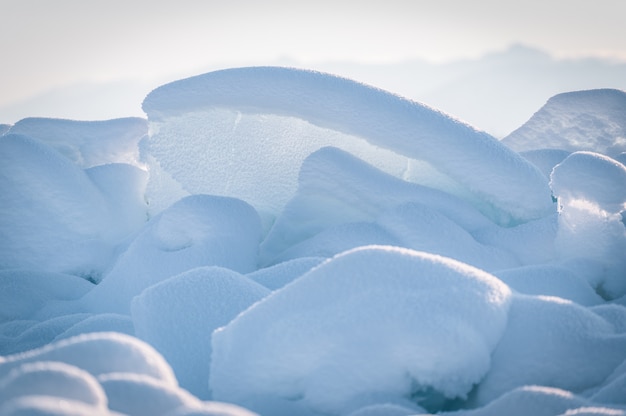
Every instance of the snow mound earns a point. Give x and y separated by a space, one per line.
97 353
244 133
57 379
199 230
178 315
375 321
52 216
591 191
137 394
593 120
88 143
336 188
552 342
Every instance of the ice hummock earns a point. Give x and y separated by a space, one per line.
128 289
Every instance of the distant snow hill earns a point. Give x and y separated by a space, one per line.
593 120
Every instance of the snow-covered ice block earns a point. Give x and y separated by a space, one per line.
88 143
593 120
336 187
98 353
375 321
199 230
552 342
50 378
244 132
591 177
52 216
177 317
591 190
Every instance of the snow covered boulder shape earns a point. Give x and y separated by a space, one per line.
199 230
552 342
591 190
592 120
50 378
178 315
98 353
52 217
244 132
88 143
374 323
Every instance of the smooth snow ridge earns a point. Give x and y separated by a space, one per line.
270 104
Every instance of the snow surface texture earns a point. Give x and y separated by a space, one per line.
300 244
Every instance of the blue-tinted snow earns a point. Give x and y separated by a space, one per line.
266 120
220 239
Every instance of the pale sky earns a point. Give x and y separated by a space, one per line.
47 44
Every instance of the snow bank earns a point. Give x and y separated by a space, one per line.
377 321
591 190
199 230
245 132
555 343
178 315
52 217
593 120
88 143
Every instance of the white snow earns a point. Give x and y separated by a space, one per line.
177 317
375 320
592 120
199 230
289 242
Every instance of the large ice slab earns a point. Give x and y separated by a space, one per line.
244 132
